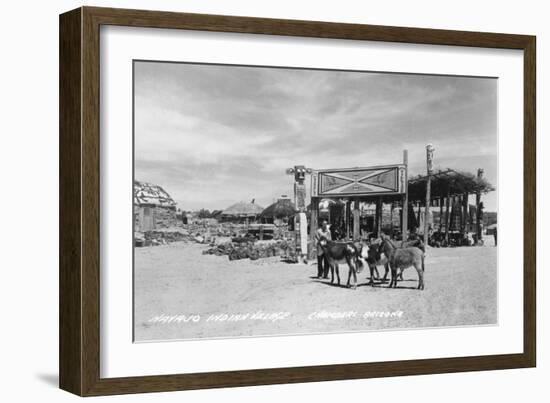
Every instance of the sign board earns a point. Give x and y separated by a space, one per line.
370 181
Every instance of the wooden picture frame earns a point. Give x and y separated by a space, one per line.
79 348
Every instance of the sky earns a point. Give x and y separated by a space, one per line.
213 135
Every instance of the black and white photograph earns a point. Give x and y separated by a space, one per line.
246 201
273 201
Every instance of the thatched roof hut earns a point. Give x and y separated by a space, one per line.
153 207
282 208
242 210
147 194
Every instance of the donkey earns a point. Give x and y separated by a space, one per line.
371 253
342 252
402 258
374 256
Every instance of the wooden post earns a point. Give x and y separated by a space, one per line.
378 217
460 212
447 217
441 202
464 213
356 220
453 213
429 167
348 219
471 219
405 201
479 213
391 219
314 224
401 214
427 214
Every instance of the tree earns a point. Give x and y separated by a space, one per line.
203 213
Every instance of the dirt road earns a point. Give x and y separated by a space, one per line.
182 294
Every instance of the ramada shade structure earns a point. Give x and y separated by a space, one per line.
447 183
452 190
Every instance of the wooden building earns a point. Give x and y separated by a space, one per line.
153 207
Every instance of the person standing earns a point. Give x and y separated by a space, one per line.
322 261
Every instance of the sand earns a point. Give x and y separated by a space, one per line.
182 294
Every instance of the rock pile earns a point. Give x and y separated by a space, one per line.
206 232
224 239
254 250
160 237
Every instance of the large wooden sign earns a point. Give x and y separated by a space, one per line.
369 181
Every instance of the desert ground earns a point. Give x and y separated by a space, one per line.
182 294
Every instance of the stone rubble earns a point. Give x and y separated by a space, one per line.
224 239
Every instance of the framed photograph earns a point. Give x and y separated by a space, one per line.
249 201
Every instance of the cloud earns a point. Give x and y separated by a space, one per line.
213 135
